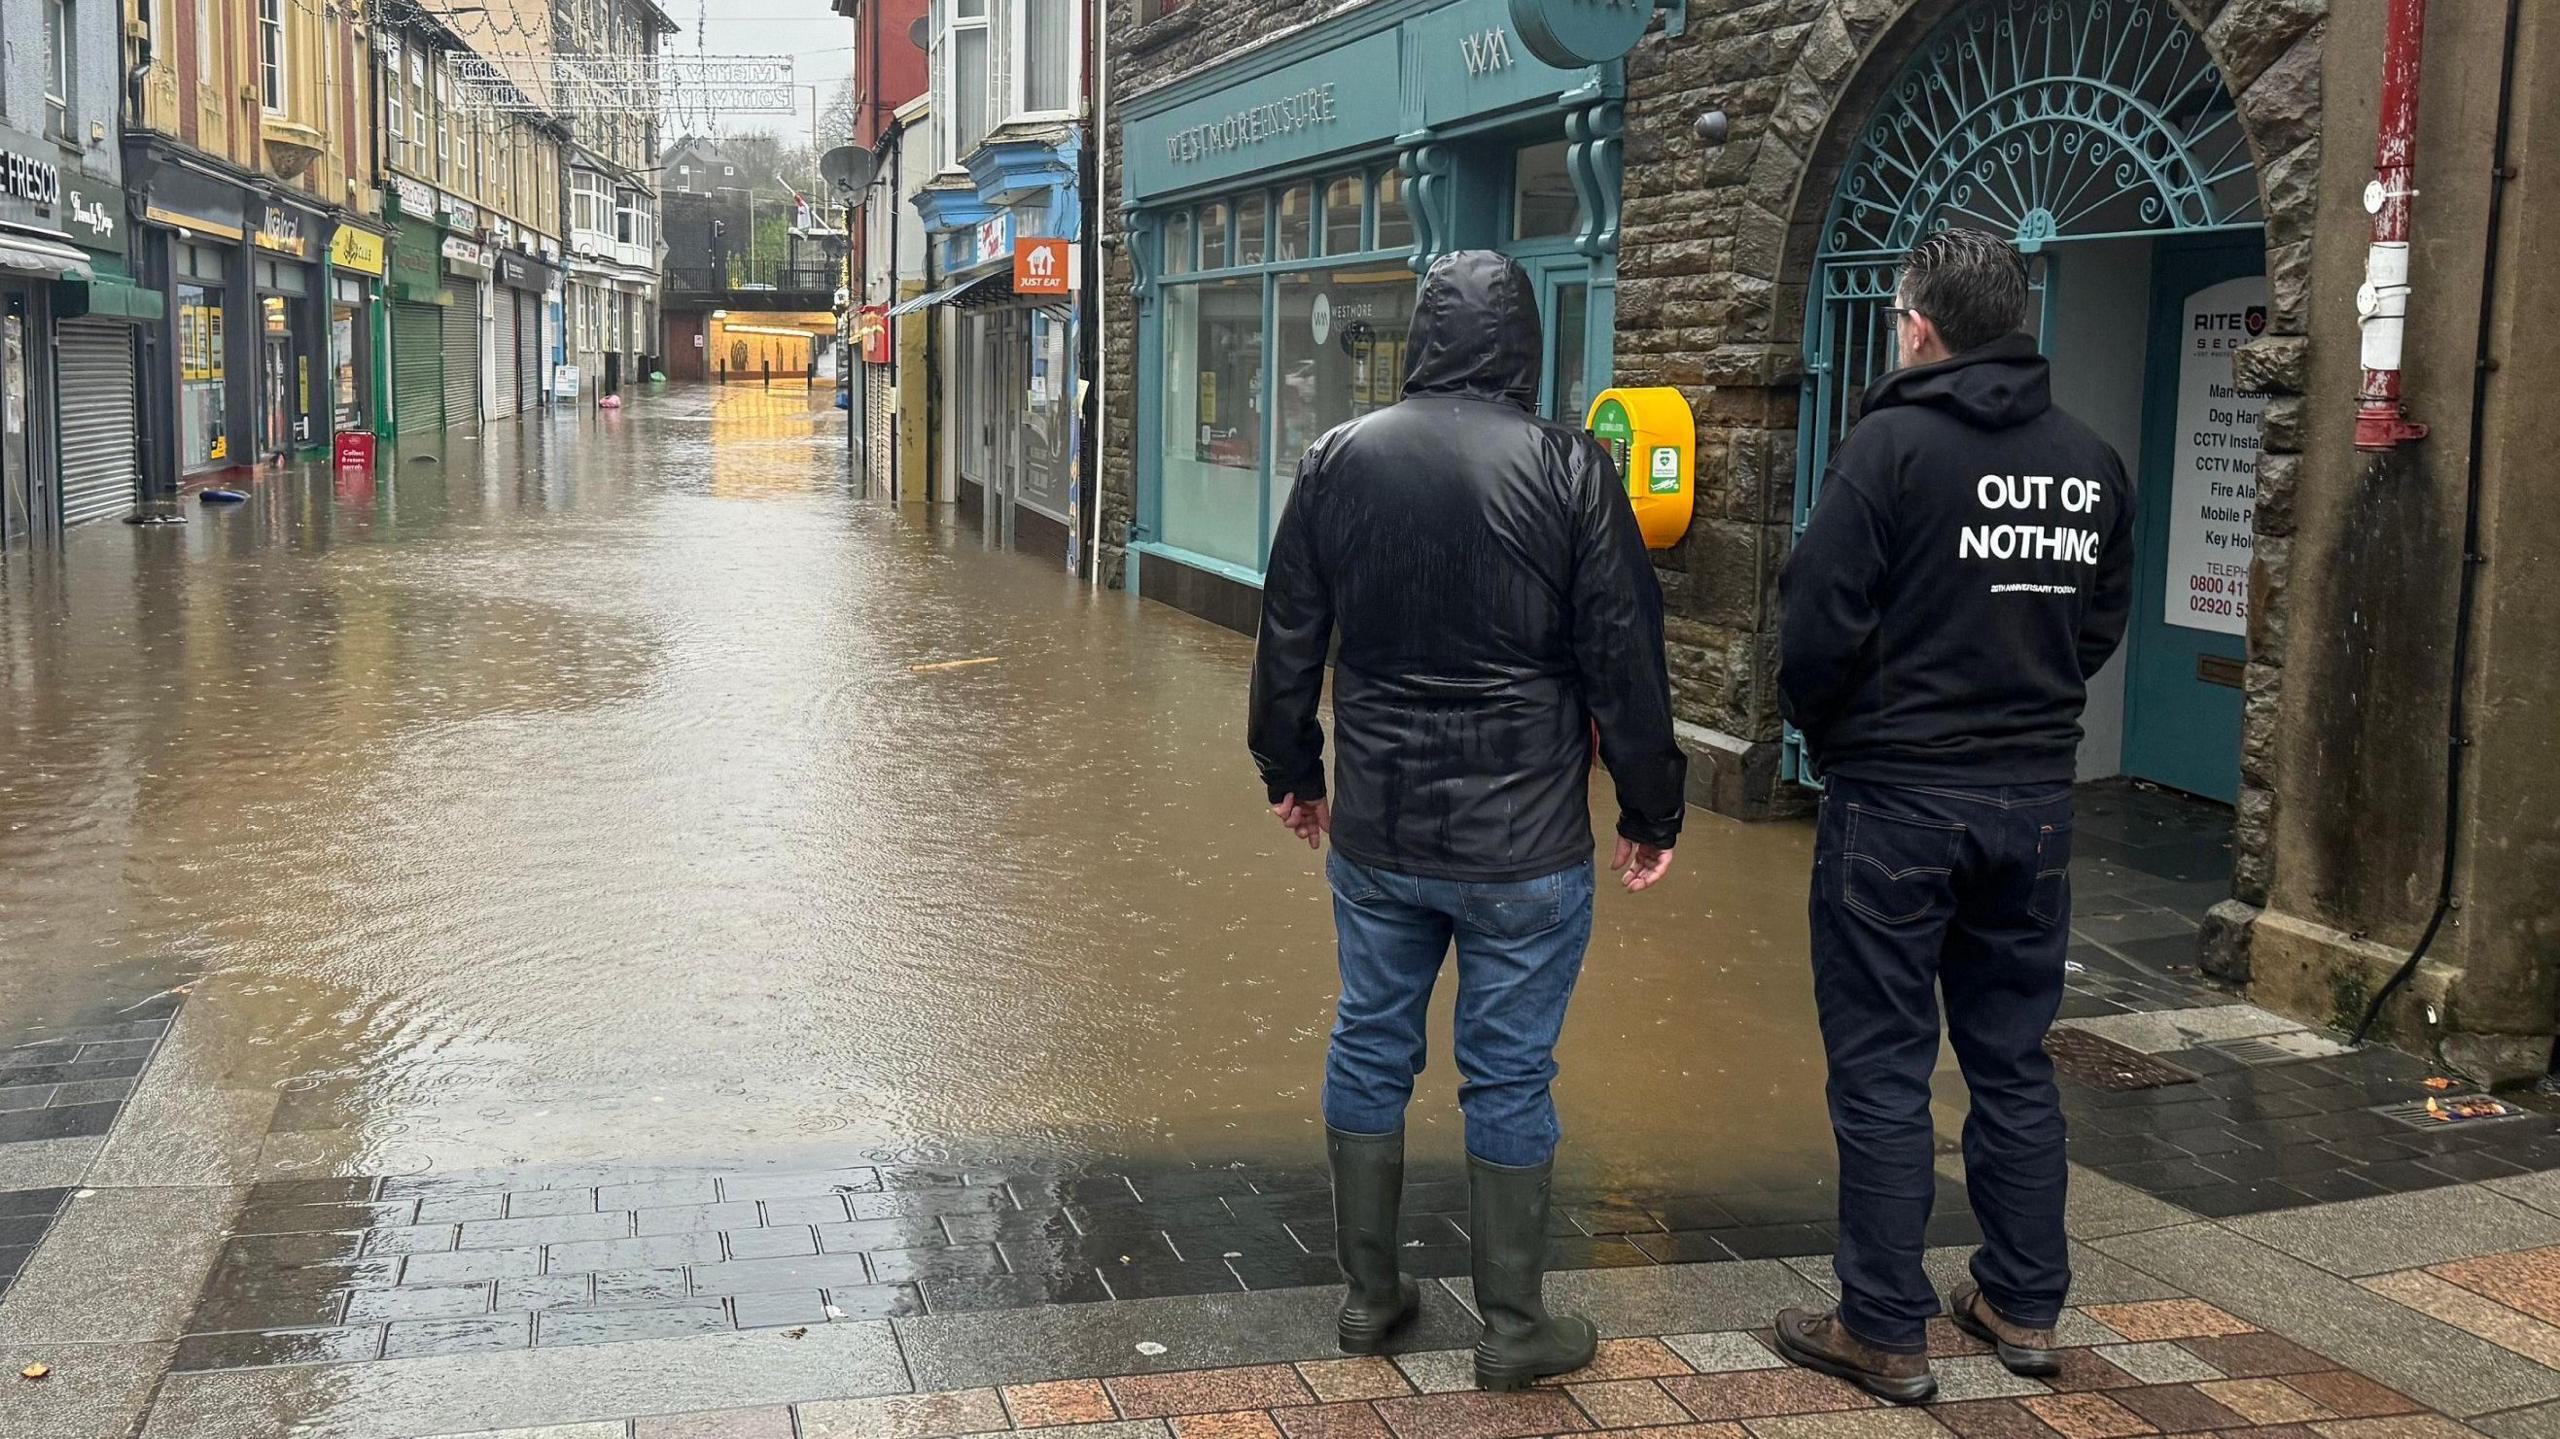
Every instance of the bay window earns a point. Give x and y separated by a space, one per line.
1038 63
960 80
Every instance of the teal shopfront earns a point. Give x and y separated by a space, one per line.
1280 209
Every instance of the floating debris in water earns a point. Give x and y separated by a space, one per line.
950 665
2471 1107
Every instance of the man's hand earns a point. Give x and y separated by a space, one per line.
1311 821
1640 865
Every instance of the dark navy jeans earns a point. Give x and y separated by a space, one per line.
1519 952
1965 892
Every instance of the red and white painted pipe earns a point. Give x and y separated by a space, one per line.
2382 422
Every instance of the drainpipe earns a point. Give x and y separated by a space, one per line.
1096 304
2467 587
2381 421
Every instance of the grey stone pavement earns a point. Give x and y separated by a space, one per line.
2447 1301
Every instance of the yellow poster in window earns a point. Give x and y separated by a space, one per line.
1208 397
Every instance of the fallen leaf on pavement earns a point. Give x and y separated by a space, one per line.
800 1333
35 1371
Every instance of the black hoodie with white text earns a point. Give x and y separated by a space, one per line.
1968 567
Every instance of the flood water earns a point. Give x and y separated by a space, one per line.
605 789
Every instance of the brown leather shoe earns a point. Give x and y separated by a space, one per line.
2026 1352
1822 1343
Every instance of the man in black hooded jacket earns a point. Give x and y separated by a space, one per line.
1968 568
1484 573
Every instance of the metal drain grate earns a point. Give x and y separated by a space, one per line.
2415 1114
2105 1064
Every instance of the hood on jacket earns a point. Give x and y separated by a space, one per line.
1475 331
1997 386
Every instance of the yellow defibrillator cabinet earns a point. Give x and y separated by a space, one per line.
1653 435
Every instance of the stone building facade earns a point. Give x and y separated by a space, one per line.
2324 701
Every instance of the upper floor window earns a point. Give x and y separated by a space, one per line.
57 67
1043 40
444 126
960 64
396 105
271 52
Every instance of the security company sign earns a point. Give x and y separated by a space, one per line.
1043 267
2213 474
1570 34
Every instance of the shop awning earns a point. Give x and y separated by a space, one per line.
28 255
985 292
109 297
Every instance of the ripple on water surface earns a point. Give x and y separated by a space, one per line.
607 788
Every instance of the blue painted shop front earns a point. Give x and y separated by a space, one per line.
1011 381
1279 209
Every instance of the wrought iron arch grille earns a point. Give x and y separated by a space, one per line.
2048 121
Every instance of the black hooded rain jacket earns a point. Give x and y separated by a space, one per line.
1493 599
1969 567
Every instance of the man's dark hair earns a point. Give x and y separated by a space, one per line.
1971 284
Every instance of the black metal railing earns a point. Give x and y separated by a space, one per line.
704 279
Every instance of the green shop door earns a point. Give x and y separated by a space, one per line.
2187 641
1573 312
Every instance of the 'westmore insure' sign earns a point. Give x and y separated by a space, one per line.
1287 115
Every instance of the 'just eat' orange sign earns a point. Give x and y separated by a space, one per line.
1044 267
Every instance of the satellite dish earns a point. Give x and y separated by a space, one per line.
919 34
847 167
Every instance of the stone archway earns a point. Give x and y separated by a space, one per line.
1717 309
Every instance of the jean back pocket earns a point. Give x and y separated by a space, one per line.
1515 910
1896 869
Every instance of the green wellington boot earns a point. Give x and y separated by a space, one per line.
1507 1220
1368 1185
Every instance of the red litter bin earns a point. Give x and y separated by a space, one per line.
354 451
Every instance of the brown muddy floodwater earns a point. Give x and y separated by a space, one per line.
583 795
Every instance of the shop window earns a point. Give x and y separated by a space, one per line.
1213 236
1293 224
1253 223
1543 202
1346 205
203 371
1213 418
1342 354
1179 254
1395 223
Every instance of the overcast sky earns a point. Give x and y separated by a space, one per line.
819 41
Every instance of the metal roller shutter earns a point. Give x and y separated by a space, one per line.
505 401
529 315
100 473
462 357
417 368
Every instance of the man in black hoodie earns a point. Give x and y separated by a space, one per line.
1968 568
1494 603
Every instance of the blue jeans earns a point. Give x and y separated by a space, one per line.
1519 951
1920 891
